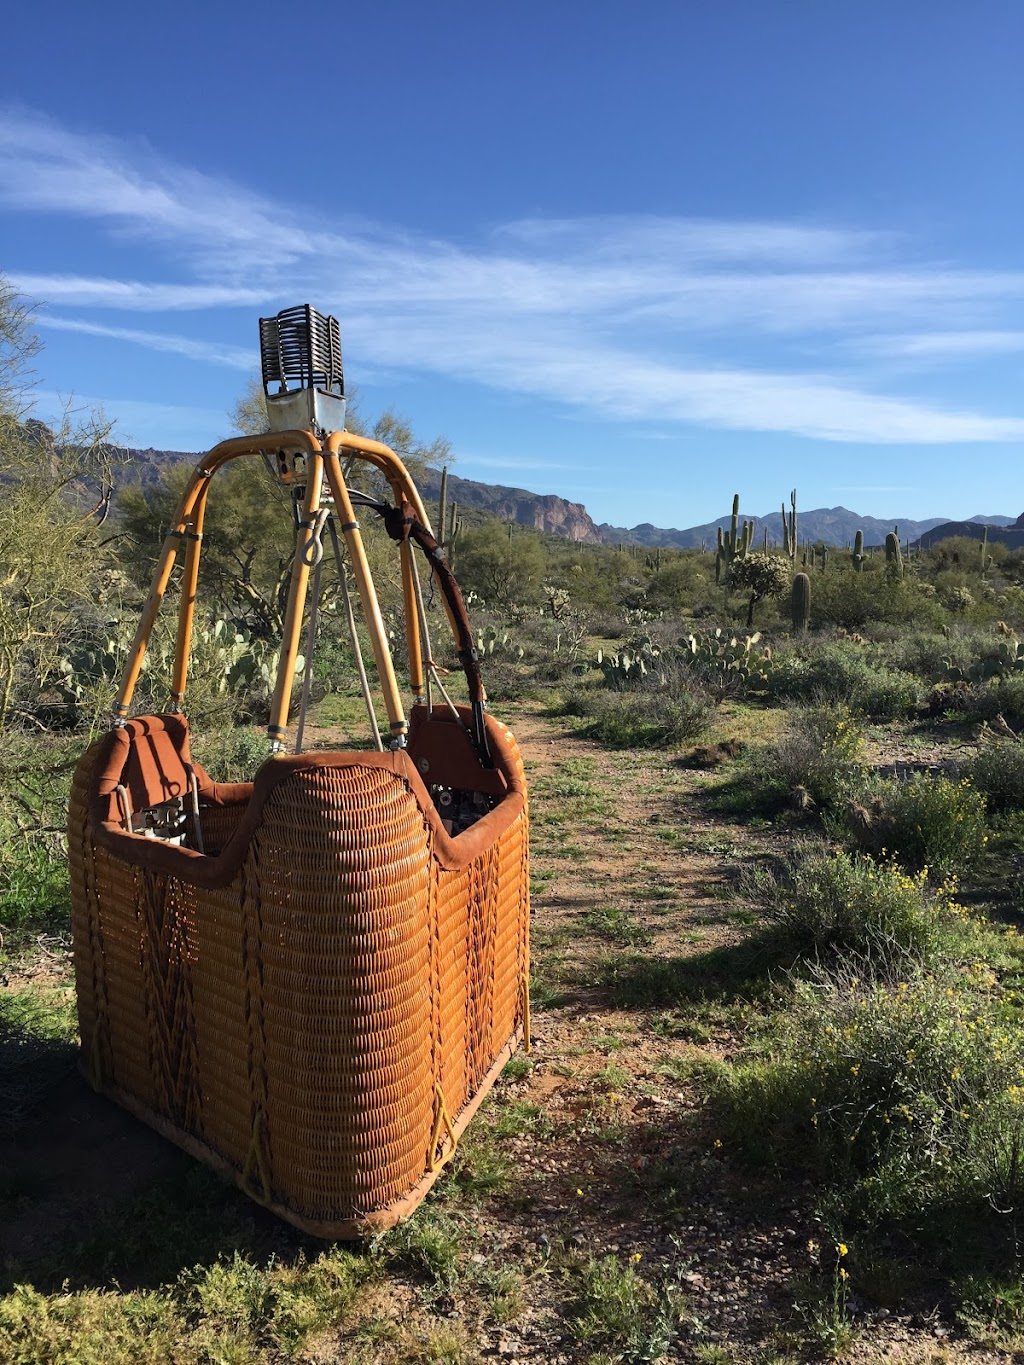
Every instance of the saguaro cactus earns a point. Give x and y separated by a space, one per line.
800 603
858 551
893 553
789 528
734 545
986 560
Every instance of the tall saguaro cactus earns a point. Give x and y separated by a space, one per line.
449 523
789 528
734 545
893 553
858 551
800 603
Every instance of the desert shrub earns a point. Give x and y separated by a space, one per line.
900 1096
654 718
999 697
233 754
852 600
831 903
34 893
998 773
818 749
35 780
925 821
930 654
842 672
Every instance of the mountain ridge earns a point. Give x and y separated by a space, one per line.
555 515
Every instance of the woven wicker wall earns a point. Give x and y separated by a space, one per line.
302 1024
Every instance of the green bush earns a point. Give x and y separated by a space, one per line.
652 719
925 821
852 600
900 1097
232 754
1000 697
838 903
998 773
819 749
840 672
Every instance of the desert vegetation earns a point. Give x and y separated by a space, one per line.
775 1107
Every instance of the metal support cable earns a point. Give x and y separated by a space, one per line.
364 684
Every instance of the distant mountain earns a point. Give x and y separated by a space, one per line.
834 526
548 513
542 511
1006 531
147 465
556 516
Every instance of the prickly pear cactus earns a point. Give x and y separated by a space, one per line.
637 658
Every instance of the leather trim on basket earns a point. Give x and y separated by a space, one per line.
206 870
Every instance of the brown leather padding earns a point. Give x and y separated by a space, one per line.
440 735
155 768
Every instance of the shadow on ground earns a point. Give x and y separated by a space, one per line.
90 1196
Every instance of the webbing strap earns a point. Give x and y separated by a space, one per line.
256 1157
441 1119
402 524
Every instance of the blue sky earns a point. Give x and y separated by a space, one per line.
641 256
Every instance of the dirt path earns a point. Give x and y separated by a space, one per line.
632 887
596 1146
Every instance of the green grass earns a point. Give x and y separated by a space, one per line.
615 1312
37 1035
615 925
232 1310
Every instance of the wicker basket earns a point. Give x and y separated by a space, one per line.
318 1003
309 981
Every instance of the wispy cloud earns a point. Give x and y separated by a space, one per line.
639 388
186 428
510 462
950 345
134 295
643 318
208 352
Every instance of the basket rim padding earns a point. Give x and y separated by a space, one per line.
216 870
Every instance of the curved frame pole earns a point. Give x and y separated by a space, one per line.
403 489
382 457
218 456
349 528
410 602
186 609
301 566
190 514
